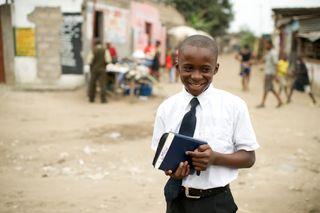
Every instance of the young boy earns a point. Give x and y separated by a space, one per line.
222 120
282 74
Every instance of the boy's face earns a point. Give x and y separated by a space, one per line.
196 66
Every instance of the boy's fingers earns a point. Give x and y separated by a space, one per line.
203 147
168 173
194 153
198 151
179 170
184 169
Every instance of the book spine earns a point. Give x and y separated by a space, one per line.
164 150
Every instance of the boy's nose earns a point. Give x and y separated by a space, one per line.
196 74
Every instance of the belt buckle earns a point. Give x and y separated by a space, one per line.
186 191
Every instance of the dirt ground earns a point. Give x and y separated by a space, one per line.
59 153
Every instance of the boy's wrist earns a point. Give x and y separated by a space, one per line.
214 158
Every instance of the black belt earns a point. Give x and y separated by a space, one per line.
200 193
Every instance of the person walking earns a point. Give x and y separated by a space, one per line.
301 82
245 58
219 118
282 75
270 68
98 58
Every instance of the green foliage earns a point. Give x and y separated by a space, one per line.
212 16
246 37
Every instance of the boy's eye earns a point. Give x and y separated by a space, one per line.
206 69
187 68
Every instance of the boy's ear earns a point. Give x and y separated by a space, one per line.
216 69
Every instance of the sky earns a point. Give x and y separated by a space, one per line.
256 15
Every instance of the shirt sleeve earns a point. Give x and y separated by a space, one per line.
158 129
89 58
274 58
244 136
107 56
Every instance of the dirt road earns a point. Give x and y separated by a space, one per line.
59 153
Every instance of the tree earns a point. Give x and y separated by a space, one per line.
212 16
246 37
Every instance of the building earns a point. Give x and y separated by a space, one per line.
44 44
41 44
298 33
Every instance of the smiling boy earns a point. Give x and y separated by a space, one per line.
222 120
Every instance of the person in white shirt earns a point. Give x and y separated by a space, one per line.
270 68
223 121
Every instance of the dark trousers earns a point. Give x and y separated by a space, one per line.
99 77
220 203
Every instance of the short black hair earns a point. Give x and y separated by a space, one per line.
200 41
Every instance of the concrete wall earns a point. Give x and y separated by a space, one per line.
8 45
48 41
125 28
116 27
43 67
140 14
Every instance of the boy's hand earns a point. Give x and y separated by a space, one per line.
181 172
202 157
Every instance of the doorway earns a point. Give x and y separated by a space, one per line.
2 76
98 26
148 30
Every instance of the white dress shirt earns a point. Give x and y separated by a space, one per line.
222 121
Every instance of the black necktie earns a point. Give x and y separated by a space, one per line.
189 120
172 188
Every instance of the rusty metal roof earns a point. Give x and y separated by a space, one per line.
301 11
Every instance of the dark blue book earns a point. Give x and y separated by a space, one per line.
172 149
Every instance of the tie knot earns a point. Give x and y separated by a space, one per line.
194 102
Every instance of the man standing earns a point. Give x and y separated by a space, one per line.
98 59
270 68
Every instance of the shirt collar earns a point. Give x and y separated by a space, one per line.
202 97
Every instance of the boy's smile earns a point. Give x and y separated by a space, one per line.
197 66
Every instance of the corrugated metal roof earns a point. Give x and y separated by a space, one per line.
301 11
310 25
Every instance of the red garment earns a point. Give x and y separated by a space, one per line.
149 49
113 52
169 61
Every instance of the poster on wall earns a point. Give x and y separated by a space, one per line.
71 44
116 22
25 42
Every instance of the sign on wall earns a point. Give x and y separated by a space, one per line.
25 42
116 22
71 44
